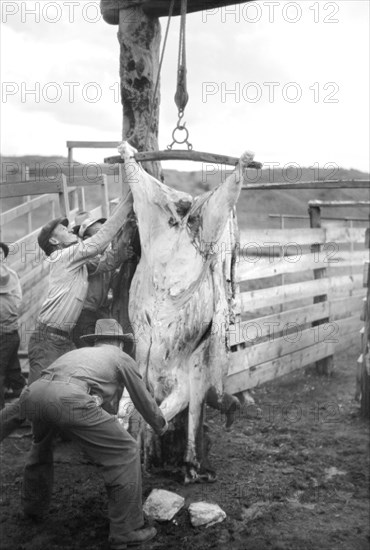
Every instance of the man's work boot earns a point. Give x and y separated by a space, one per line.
134 538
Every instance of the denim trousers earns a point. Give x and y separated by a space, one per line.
53 404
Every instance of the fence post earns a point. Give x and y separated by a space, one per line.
63 198
104 196
77 196
365 344
282 278
81 198
25 176
325 365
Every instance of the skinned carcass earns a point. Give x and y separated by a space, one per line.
181 294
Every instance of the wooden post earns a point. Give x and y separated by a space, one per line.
70 156
323 366
365 346
78 195
104 197
63 198
25 176
282 278
81 198
139 37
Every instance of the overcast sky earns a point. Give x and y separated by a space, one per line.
288 80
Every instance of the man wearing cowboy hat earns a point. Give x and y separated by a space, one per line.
10 301
74 393
101 271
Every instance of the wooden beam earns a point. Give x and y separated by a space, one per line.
92 145
336 204
264 297
271 325
345 234
33 204
256 266
196 156
334 218
270 370
81 181
298 236
22 189
160 8
250 377
329 184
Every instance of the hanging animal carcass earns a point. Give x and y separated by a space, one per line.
181 294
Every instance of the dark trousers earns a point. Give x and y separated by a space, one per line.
44 348
63 404
10 369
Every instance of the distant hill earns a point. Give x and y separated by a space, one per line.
254 206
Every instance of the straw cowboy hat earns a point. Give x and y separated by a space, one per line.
8 279
88 223
107 329
81 216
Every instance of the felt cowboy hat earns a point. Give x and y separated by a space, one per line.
88 223
107 329
8 279
5 248
44 236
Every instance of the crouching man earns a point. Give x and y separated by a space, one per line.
74 393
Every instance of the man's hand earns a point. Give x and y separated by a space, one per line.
98 400
129 253
165 427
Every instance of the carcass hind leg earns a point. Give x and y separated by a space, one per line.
177 401
171 406
196 463
227 404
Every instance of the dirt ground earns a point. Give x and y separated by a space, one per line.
292 476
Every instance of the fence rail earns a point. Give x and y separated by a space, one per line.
295 333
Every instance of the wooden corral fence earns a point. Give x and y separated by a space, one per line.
300 290
315 313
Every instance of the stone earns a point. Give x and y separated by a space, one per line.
333 471
162 505
206 514
255 511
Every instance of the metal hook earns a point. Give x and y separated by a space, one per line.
180 128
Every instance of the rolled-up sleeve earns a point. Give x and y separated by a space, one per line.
144 402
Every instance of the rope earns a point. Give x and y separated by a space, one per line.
158 75
181 95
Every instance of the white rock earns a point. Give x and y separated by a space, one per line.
162 505
204 513
333 471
